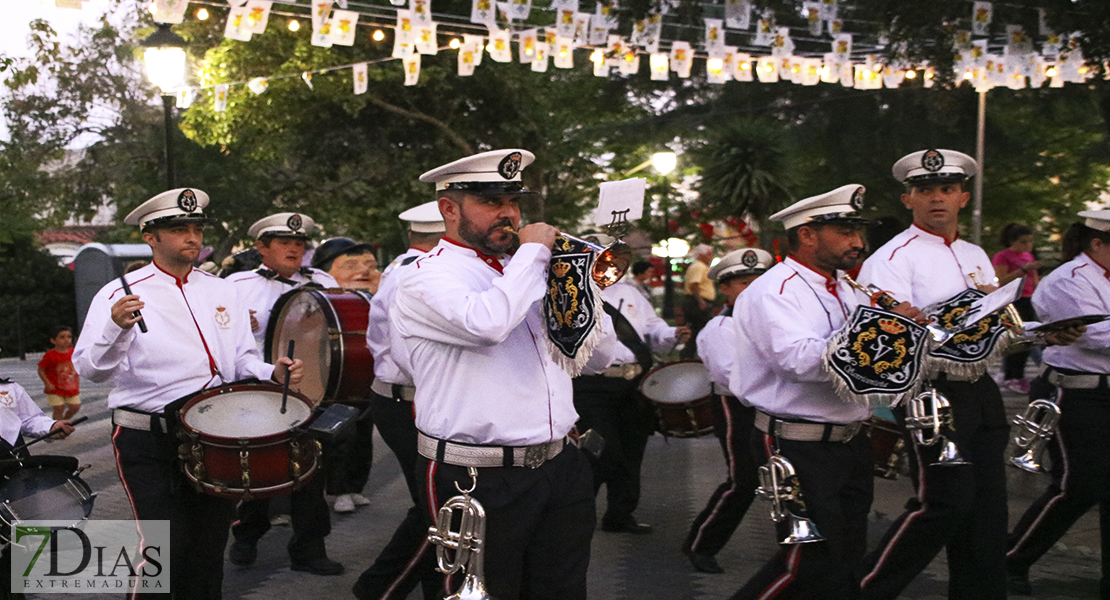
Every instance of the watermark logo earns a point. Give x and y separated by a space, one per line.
91 557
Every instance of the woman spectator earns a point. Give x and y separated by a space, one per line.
1016 261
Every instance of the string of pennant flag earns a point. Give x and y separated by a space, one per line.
771 54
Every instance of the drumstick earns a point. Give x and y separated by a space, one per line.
285 388
127 290
74 422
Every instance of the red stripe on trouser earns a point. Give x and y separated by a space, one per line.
408 569
1048 505
731 472
906 523
131 500
433 508
792 561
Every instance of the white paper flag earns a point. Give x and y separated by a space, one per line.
483 12
582 29
170 11
426 40
835 26
630 63
714 35
892 78
221 97
601 66
812 12
306 77
811 71
321 13
402 49
1042 25
236 28
519 9
412 68
782 45
842 46
715 70
185 97
564 21
359 75
421 11
343 28
828 10
526 46
258 14
738 14
543 51
468 57
742 66
1017 43
476 43
607 14
682 58
500 49
981 15
767 69
258 85
404 31
830 68
564 53
660 67
764 31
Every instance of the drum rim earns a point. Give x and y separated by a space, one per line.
238 387
660 367
87 503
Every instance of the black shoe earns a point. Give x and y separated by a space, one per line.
627 527
703 562
242 553
318 566
1018 584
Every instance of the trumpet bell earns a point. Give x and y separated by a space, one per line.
1027 462
472 589
949 455
612 263
802 531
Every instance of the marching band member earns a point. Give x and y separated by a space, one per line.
607 400
1080 456
406 560
960 508
489 396
18 415
199 337
783 323
281 240
732 418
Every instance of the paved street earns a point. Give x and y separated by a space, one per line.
678 478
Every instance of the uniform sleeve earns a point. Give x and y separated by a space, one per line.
655 329
716 346
434 304
606 348
102 347
32 421
1068 297
889 275
782 337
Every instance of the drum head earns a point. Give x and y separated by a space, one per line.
308 321
676 383
32 494
245 414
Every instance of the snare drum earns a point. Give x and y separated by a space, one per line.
236 443
45 488
329 328
680 393
888 449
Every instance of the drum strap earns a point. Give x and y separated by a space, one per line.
628 336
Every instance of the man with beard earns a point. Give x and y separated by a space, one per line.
197 337
493 409
281 240
783 323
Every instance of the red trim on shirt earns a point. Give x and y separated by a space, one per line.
211 360
830 282
113 294
943 239
492 261
422 258
783 286
179 281
900 247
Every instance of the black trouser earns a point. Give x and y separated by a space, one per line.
695 317
348 457
407 559
1013 365
1080 480
539 523
157 489
959 508
612 407
837 484
733 424
308 514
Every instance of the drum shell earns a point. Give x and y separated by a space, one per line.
684 418
340 355
40 491
888 450
274 464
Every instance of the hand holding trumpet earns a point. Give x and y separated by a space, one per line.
535 233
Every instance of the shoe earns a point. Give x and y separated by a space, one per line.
703 562
1018 584
242 553
279 520
344 504
359 499
318 566
627 527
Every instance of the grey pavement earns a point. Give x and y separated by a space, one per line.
678 477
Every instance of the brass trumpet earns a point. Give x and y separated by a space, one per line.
779 484
462 549
611 263
1037 426
926 415
888 302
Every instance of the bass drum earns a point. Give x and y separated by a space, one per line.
236 443
680 393
329 331
43 488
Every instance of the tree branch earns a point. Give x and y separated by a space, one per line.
456 138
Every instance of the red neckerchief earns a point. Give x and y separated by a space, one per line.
492 261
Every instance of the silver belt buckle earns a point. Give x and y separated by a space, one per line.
534 456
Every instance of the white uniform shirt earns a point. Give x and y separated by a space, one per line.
653 330
782 324
1076 288
717 349
377 328
475 340
919 267
20 414
199 336
259 294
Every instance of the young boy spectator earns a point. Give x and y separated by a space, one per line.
59 378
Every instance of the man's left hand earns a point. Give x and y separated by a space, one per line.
681 334
1065 337
295 368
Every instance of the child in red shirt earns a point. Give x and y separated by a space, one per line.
59 378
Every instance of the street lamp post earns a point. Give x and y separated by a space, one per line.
164 55
664 163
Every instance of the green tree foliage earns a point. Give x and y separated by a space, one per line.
35 295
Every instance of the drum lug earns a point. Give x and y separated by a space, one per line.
245 466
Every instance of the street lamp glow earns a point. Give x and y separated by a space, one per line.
164 56
664 162
378 35
455 44
671 248
202 14
294 25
